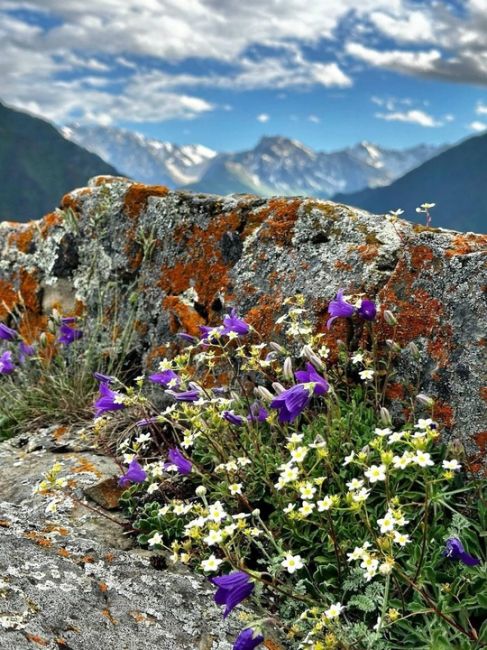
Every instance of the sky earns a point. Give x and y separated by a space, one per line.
224 73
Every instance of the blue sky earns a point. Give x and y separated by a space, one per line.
224 73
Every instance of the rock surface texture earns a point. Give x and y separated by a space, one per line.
168 260
71 579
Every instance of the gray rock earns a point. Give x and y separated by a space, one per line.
170 261
71 579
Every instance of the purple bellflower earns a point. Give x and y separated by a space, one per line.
6 364
165 378
232 589
69 334
134 474
310 375
176 459
192 395
232 323
340 308
367 310
455 551
105 379
291 403
247 641
25 351
233 418
108 401
257 413
6 333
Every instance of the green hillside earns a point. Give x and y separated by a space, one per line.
456 180
38 166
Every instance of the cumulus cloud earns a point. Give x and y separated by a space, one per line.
127 48
477 126
414 116
263 118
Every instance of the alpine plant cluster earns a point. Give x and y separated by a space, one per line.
323 514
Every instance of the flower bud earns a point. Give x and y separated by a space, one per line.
200 491
279 388
287 369
414 350
277 348
43 340
312 357
385 417
264 394
422 398
256 513
389 317
393 346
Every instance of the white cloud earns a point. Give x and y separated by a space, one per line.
477 126
314 119
481 109
402 60
414 116
263 118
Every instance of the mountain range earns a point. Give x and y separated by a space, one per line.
456 180
275 166
38 165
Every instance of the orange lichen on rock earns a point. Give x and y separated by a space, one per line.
279 218
35 638
368 252
29 290
49 222
182 317
263 316
8 298
137 196
395 391
343 266
421 256
22 238
204 267
443 413
466 243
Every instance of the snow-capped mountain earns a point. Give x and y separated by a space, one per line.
144 159
276 165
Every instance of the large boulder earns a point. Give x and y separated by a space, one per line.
176 260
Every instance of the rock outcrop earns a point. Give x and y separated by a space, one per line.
173 261
71 579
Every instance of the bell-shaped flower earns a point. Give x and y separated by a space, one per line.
25 351
339 308
6 333
68 334
177 460
367 310
109 400
247 641
291 402
257 413
165 378
6 364
134 474
233 418
455 551
232 589
310 375
232 323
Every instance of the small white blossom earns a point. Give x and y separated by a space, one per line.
355 484
213 537
348 459
307 491
451 464
299 454
155 539
361 496
401 538
153 487
325 503
292 563
366 374
382 432
423 459
401 462
211 564
358 357
235 488
387 523
376 473
307 508
334 611
395 437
